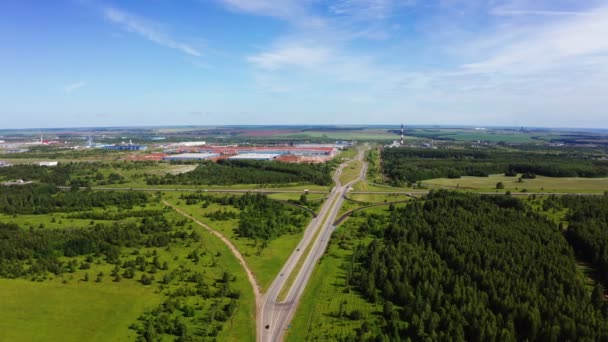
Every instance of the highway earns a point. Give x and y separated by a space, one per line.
274 316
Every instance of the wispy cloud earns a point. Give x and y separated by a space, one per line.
536 13
70 88
368 9
295 55
557 44
146 29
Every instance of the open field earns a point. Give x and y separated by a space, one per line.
349 153
539 184
378 198
489 135
77 311
358 135
367 186
351 171
265 262
70 307
296 196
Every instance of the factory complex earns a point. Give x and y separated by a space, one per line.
315 153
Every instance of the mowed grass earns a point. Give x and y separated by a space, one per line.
295 196
367 186
265 263
378 198
52 311
348 153
351 171
539 184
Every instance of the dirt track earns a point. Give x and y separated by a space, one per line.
233 249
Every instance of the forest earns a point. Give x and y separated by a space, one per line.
228 172
259 217
76 174
587 229
43 199
413 165
472 268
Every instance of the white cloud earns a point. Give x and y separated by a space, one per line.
295 55
563 43
147 30
70 88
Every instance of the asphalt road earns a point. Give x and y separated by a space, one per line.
274 316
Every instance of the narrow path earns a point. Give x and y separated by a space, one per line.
252 280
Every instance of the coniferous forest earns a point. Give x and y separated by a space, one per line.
412 165
228 172
472 268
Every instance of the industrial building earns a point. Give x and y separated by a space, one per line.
191 156
48 163
125 147
255 156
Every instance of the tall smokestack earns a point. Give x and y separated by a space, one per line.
401 134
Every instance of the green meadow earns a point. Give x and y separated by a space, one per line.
265 262
539 184
90 304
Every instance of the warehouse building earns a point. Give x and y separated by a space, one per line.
255 156
190 156
125 147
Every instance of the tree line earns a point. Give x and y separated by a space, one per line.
402 165
228 172
44 199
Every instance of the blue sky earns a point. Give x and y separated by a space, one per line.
214 62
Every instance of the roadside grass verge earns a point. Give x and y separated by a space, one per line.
294 273
351 171
318 316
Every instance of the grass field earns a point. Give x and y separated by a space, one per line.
295 196
78 311
358 135
540 184
351 171
266 262
349 153
367 186
67 308
491 135
378 198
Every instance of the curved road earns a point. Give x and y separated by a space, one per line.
274 316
